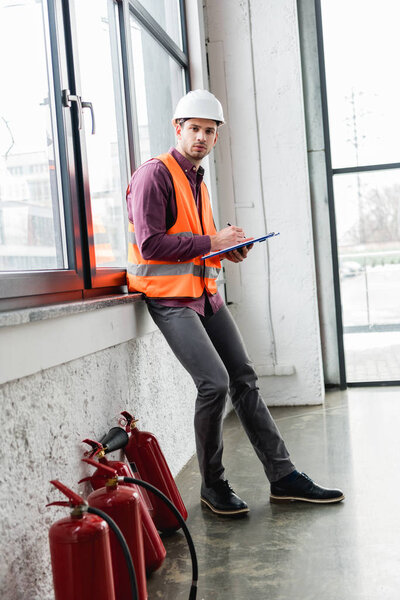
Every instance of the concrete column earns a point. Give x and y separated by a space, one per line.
319 192
262 177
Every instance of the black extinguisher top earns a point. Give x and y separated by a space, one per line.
115 439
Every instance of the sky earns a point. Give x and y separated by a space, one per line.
362 49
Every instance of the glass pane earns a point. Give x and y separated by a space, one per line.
168 16
159 83
32 234
362 46
368 225
100 71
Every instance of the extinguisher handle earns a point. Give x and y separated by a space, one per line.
130 419
105 469
58 503
127 416
84 479
74 499
96 447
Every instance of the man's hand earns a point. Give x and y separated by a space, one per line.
229 236
238 255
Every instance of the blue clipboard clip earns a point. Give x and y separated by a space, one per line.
247 242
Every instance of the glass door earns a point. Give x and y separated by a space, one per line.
361 49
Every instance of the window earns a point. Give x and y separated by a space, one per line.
167 13
30 183
103 77
159 83
361 45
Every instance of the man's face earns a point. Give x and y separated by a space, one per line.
196 138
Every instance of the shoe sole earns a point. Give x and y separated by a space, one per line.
228 513
279 499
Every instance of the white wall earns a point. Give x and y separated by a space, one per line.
255 69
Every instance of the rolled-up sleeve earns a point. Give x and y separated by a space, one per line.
149 198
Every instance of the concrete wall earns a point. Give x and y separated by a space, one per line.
44 417
263 185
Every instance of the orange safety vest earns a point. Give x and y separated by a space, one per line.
167 279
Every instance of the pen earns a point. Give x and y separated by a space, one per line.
239 249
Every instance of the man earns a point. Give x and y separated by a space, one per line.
171 228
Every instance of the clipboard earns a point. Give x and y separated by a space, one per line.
247 242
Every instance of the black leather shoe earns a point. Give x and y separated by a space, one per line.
222 500
303 488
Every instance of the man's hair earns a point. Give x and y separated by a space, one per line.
182 121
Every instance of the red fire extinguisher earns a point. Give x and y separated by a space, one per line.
111 442
163 498
154 551
144 450
122 503
80 552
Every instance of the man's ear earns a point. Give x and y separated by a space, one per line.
216 138
178 128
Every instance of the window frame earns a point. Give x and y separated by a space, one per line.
21 289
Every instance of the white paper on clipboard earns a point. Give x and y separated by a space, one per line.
246 242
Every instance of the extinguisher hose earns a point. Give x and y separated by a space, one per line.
124 547
175 511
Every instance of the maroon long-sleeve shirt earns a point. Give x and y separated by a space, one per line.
152 208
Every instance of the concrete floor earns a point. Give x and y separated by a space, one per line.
348 551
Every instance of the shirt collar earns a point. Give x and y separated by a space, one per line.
187 167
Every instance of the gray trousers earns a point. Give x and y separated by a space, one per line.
211 349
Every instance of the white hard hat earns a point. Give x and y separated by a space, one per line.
199 104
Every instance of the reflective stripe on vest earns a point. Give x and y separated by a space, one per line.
156 270
166 279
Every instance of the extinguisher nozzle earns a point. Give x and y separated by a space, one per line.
115 439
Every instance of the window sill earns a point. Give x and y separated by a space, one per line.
53 311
